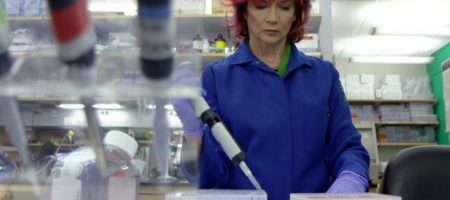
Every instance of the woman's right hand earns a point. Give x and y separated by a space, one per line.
184 76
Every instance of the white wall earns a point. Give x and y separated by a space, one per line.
405 71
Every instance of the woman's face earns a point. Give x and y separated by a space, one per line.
270 21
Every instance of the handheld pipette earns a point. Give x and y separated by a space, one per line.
223 136
76 40
9 109
156 58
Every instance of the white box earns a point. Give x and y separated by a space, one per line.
391 87
359 196
192 6
378 94
215 194
390 79
309 43
352 79
367 78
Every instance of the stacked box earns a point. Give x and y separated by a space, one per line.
310 43
192 6
428 135
363 113
25 7
382 135
391 87
360 86
394 113
422 112
342 80
406 134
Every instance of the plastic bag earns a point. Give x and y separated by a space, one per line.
418 87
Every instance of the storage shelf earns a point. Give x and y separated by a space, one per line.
407 123
100 53
387 101
434 101
113 16
8 148
362 124
368 101
405 144
312 26
63 145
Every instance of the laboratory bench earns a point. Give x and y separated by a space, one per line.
146 191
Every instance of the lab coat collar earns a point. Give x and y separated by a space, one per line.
243 54
298 58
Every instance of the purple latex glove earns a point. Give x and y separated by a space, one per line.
349 182
192 126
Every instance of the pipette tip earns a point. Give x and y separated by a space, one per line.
249 175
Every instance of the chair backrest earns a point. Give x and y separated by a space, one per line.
421 172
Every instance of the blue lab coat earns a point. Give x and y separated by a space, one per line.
296 130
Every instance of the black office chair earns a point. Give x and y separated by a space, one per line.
419 173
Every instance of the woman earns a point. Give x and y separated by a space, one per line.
286 110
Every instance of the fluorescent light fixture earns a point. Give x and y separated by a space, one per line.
415 30
392 45
108 106
71 106
168 107
392 59
413 12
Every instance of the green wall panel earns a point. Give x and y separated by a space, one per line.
435 72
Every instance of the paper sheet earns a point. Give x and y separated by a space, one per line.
446 77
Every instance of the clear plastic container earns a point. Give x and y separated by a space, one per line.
361 196
218 195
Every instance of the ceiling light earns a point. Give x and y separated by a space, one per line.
439 31
392 59
108 106
168 107
128 8
71 106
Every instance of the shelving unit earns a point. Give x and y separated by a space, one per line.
407 123
62 145
404 144
390 101
187 25
385 150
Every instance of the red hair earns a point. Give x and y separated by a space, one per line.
298 28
